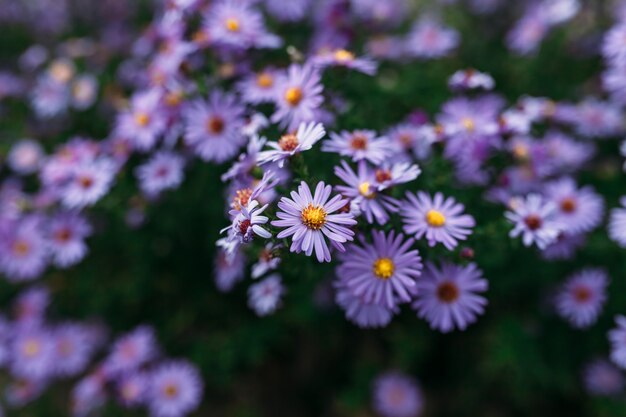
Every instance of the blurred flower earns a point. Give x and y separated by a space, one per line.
359 145
163 171
582 296
290 144
602 378
175 389
264 297
25 157
397 395
535 219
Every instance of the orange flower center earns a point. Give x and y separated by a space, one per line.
288 142
215 125
293 96
448 292
358 142
264 80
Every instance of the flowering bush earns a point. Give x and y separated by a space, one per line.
299 207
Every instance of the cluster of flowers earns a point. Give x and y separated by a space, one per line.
37 353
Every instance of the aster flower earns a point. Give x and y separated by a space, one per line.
363 190
25 157
24 249
73 348
66 235
535 219
564 247
259 87
264 297
613 48
526 35
470 79
229 269
598 119
247 223
144 122
268 260
131 351
87 183
582 297
290 11
384 272
617 338
429 39
359 145
298 97
450 297
310 219
617 224
580 209
389 175
439 219
602 378
132 388
49 97
290 144
84 91
88 395
363 314
32 353
213 128
163 171
238 25
397 395
31 305
344 58
175 389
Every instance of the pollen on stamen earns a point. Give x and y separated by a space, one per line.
232 24
313 217
293 96
468 124
383 268
365 190
435 218
31 348
288 142
241 199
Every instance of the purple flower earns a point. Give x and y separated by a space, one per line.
298 97
581 298
213 128
163 171
88 395
429 39
132 388
50 97
617 337
292 143
579 210
362 189
73 347
131 351
363 314
66 237
526 35
247 223
260 87
439 219
268 260
614 45
617 224
449 297
229 269
470 79
32 353
31 305
25 157
602 378
389 175
310 219
264 297
238 25
144 122
564 247
598 119
344 58
175 389
535 219
87 183
397 395
383 272
24 250
359 145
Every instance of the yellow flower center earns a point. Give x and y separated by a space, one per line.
232 24
264 80
313 217
383 268
31 348
468 124
241 199
435 218
293 95
142 119
365 191
343 55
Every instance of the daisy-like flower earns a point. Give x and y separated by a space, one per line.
581 298
24 249
564 247
383 272
359 145
259 87
144 121
617 224
288 11
450 297
247 223
73 347
299 95
32 353
613 45
290 144
131 351
175 389
397 395
362 190
264 297
580 209
25 157
268 260
229 268
132 388
598 119
163 171
88 182
439 219
213 128
30 306
344 58
535 219
363 314
238 25
49 97
389 175
429 39
617 337
66 237
602 378
528 32
470 79
310 220
88 395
